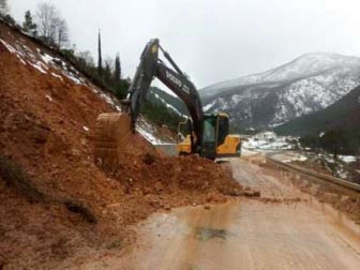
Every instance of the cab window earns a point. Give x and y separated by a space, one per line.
209 130
223 129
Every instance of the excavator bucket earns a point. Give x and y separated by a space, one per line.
112 133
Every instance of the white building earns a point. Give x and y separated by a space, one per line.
266 136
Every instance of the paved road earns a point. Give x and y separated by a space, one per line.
250 234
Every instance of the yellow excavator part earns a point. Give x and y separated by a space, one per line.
230 147
112 132
184 147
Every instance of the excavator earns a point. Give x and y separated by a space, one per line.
208 134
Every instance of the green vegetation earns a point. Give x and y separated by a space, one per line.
28 25
340 124
236 129
161 115
177 103
155 109
342 115
335 142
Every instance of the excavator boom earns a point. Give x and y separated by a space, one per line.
150 67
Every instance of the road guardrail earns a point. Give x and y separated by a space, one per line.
343 183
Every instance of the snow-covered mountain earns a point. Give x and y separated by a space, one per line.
307 84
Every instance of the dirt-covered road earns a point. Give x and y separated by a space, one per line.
285 229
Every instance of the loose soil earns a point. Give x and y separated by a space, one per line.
58 207
284 229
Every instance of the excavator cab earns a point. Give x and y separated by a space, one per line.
216 141
215 130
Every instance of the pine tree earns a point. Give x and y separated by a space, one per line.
28 24
334 141
117 73
120 85
107 73
100 68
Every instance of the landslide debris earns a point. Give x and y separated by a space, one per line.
58 206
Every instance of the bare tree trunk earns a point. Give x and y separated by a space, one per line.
52 28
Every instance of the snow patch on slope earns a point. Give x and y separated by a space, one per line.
347 159
169 106
53 66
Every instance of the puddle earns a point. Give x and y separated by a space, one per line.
204 234
194 268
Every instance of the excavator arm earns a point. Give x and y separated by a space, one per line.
151 67
209 134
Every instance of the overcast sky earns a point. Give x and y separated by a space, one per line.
211 40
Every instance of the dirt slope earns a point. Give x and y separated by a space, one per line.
57 206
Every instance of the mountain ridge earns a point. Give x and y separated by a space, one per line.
342 115
304 85
269 71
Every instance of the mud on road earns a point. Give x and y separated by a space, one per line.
285 229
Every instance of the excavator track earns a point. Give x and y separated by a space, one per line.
112 132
